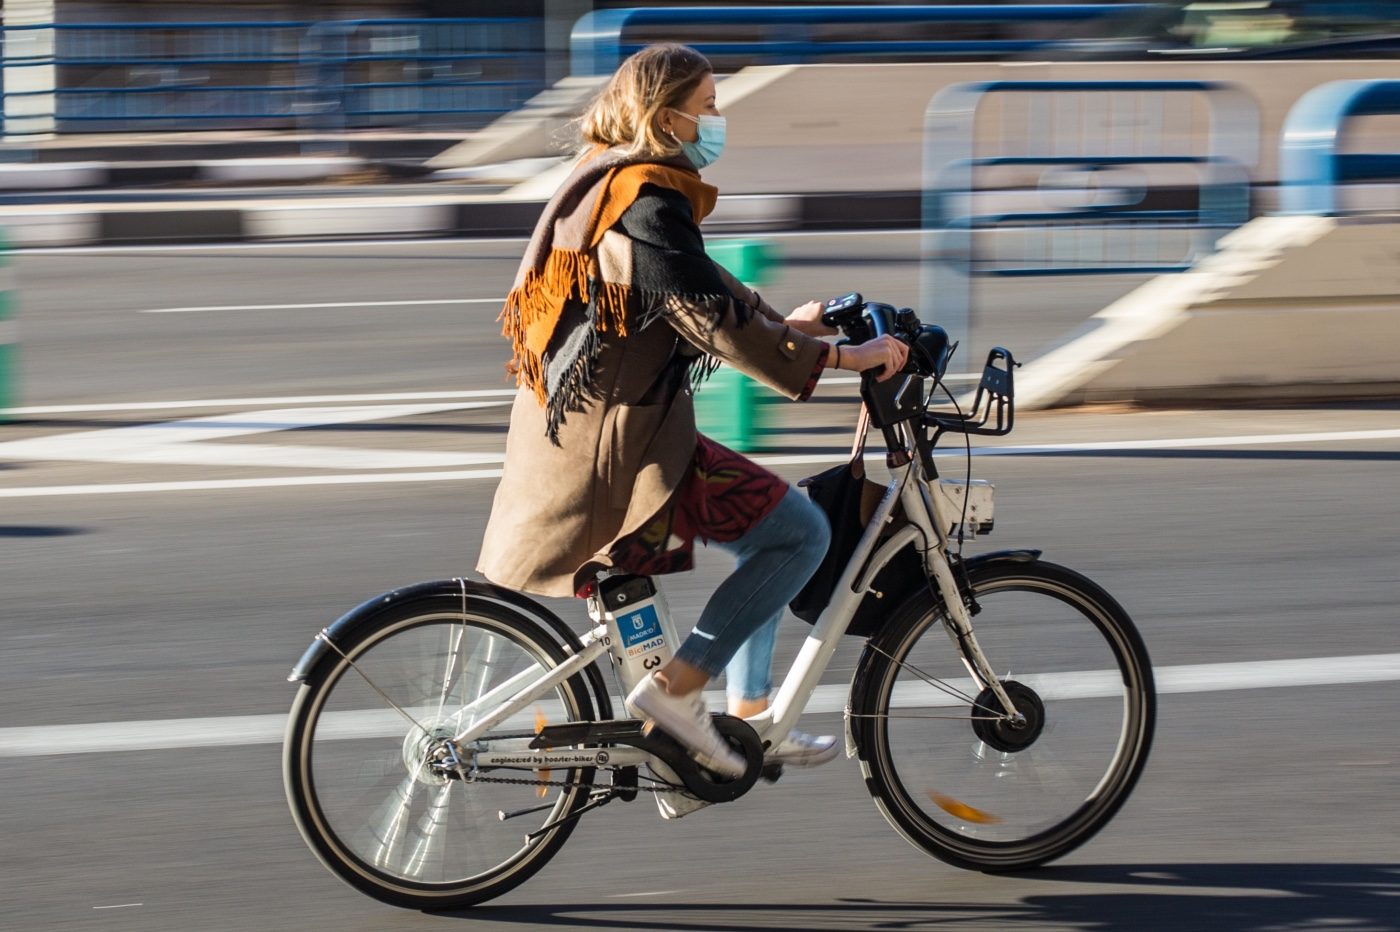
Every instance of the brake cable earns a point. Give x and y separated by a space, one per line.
959 563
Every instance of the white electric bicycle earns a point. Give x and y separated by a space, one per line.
446 737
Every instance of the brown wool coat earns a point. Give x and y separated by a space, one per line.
559 509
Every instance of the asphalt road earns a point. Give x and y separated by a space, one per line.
160 564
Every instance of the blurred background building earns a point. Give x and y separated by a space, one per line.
158 65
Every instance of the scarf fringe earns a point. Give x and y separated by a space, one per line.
540 300
574 386
542 297
701 369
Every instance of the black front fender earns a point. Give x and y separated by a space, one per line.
913 586
1002 556
467 590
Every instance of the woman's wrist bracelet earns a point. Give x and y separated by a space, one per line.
838 358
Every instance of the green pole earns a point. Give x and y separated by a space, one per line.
9 337
731 407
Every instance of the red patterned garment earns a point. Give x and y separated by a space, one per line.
723 496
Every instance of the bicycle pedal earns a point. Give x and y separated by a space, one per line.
771 772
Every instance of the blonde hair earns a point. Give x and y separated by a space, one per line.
626 112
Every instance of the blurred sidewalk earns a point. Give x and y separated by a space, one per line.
227 144
225 186
423 211
75 163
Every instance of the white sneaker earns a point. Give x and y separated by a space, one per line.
673 804
800 749
686 719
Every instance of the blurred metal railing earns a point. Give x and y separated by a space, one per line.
123 76
784 35
1056 178
1312 164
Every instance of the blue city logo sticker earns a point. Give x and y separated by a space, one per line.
641 625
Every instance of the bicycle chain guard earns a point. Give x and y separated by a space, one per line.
694 778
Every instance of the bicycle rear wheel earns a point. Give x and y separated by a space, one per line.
356 761
958 780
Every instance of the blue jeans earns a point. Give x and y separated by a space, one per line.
740 622
749 674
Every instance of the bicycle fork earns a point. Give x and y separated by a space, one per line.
931 519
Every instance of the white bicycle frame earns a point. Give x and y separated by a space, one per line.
929 519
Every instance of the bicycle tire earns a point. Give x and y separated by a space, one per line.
325 814
1012 801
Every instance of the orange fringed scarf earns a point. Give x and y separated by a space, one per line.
559 268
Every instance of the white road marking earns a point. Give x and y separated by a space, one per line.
186 442
210 485
1178 443
795 459
242 246
284 455
119 906
239 730
178 404
322 304
257 402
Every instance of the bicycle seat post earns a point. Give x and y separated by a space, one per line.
641 635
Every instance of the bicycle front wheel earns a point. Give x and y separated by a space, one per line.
359 754
945 765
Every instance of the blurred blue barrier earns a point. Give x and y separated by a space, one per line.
787 34
1082 178
170 76
1310 163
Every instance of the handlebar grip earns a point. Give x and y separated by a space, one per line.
881 317
883 322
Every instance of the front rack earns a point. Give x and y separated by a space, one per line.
993 411
902 399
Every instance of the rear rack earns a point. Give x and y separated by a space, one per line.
993 410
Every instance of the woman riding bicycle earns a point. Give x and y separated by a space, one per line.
616 314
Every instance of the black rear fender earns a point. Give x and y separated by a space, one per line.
468 591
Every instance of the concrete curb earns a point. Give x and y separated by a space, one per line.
52 176
197 217
250 144
465 215
59 178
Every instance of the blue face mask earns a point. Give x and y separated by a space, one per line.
708 147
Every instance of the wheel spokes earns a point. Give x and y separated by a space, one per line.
372 685
395 812
1030 779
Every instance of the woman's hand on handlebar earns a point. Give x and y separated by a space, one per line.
886 353
807 319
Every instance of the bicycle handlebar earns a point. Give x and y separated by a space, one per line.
891 402
861 321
